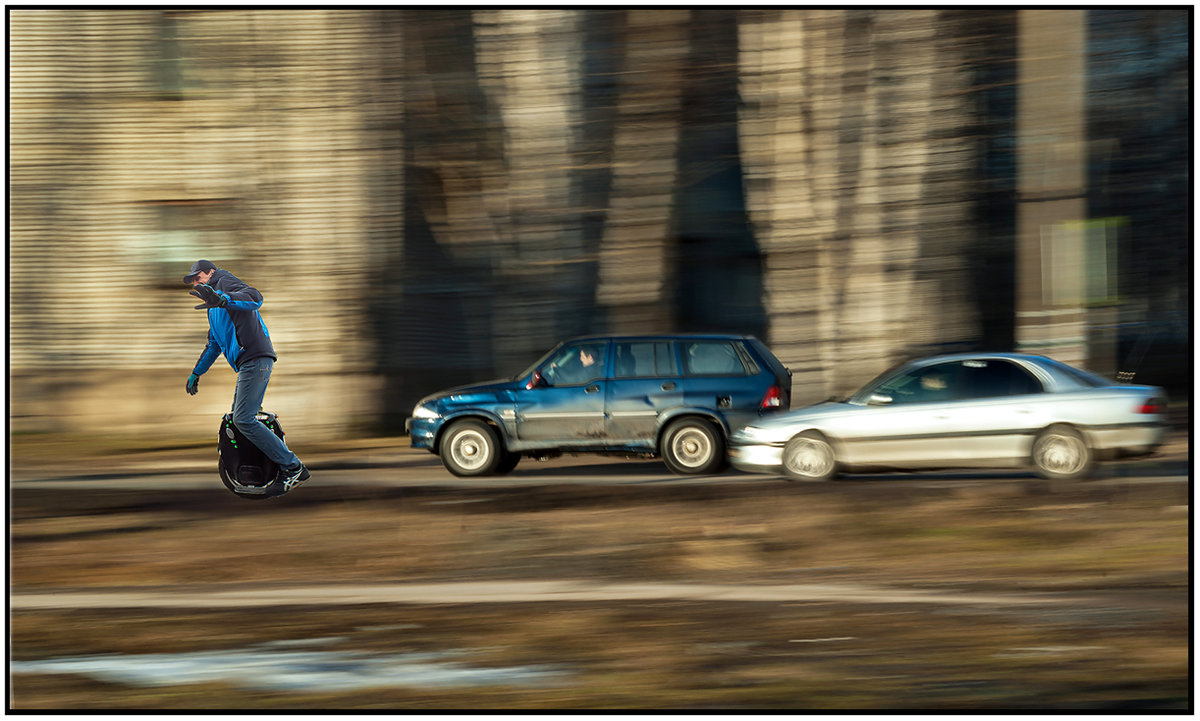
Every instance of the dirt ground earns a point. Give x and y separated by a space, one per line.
1110 560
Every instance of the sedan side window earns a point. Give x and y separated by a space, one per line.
998 378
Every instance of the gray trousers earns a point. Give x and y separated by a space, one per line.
252 379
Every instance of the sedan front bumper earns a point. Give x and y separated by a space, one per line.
756 458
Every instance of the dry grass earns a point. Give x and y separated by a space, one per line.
1128 544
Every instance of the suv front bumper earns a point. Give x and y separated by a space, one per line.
422 431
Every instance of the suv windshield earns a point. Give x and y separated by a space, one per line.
545 357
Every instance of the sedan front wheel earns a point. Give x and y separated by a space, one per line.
809 457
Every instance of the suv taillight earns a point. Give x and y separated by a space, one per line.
1153 406
773 399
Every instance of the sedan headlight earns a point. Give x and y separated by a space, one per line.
751 434
424 412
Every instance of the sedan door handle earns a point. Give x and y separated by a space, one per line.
668 386
592 389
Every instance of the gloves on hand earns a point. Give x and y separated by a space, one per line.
212 297
193 384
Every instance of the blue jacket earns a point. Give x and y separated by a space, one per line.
237 330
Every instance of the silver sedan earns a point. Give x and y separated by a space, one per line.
980 410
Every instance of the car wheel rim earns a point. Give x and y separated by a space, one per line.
470 450
808 457
691 448
1061 454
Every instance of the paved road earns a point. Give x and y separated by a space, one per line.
376 461
591 472
515 591
588 476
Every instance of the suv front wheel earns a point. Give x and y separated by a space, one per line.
692 446
470 448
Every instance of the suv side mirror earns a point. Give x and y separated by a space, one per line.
535 381
879 399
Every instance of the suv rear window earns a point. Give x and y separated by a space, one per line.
713 358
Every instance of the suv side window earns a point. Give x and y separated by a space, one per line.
712 358
644 360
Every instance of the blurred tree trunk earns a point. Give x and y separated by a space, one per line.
1051 313
786 161
384 278
839 118
57 148
637 248
453 196
530 67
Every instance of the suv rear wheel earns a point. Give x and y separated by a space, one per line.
470 448
692 446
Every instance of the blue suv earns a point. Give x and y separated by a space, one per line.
674 396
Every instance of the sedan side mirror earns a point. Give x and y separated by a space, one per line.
535 381
879 399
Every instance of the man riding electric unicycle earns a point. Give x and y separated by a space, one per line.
255 461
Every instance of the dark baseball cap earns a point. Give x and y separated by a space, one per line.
199 267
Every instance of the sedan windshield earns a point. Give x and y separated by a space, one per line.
862 394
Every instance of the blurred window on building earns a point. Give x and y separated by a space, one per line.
189 230
1079 262
712 358
196 55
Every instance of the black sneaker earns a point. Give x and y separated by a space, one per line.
293 477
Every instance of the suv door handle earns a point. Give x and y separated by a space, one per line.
592 388
668 386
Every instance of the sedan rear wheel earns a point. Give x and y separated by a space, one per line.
1061 453
470 448
809 457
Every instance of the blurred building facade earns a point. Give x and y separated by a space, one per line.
430 197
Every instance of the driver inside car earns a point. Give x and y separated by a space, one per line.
578 367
